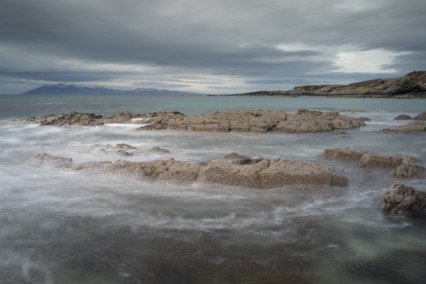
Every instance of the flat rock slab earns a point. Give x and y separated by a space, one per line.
403 165
404 200
304 121
255 173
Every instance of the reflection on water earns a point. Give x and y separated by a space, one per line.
60 226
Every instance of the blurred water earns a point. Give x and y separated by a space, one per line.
61 226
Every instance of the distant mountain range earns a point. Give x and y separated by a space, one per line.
71 89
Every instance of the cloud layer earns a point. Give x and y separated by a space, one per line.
208 46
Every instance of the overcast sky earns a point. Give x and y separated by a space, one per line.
215 46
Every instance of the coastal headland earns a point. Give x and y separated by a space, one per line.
412 85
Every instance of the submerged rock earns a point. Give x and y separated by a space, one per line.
157 149
256 173
235 156
405 166
345 154
402 117
61 162
404 200
119 149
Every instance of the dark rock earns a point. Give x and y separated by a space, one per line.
402 117
404 200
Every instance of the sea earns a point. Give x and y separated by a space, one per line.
63 226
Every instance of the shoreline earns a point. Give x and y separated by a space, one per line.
354 96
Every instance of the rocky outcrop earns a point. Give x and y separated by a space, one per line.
255 173
257 121
412 85
414 126
263 173
404 166
240 121
404 200
408 171
420 116
402 117
80 119
74 118
371 161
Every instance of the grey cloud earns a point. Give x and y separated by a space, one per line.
227 38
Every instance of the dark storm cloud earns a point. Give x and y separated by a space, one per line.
217 38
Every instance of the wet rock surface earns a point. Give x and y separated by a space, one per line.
404 200
253 173
304 121
405 166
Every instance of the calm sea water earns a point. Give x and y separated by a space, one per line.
59 226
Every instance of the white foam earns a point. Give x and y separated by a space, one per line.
125 125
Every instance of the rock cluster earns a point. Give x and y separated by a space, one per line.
404 200
418 125
253 173
404 166
303 121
